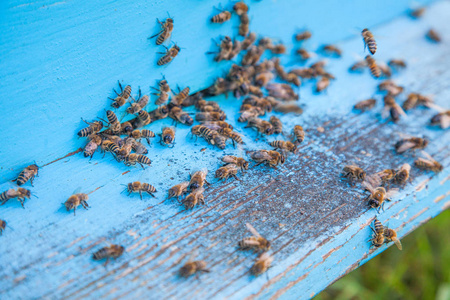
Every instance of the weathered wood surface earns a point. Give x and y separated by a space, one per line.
317 224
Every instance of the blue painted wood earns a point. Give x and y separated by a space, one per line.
61 60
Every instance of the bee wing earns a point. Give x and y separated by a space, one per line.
261 155
428 156
406 166
405 146
367 186
398 244
252 242
436 107
445 122
391 192
385 112
265 256
404 135
77 190
228 159
252 229
400 110
371 182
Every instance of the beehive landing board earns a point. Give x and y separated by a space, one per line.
317 224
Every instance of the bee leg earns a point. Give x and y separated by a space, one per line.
142 166
234 144
207 182
74 209
21 200
235 177
106 262
140 194
151 195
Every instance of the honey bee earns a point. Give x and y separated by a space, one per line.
433 36
194 198
252 56
261 103
198 179
428 163
138 104
272 158
248 41
378 195
240 8
386 175
21 194
365 104
303 36
169 55
417 13
215 125
281 91
282 145
114 124
262 79
2 226
305 73
244 27
134 158
322 84
162 92
353 173
263 127
168 137
221 17
262 264
390 235
143 118
181 116
109 146
136 146
256 242
226 171
181 96
121 98
385 70
276 124
112 251
397 63
402 175
442 118
378 234
93 128
299 134
143 134
410 143
332 50
193 267
210 116
369 41
94 141
219 141
166 31
178 190
373 66
238 161
394 109
228 133
126 128
27 174
390 86
304 55
203 131
278 49
75 200
140 187
161 112
358 66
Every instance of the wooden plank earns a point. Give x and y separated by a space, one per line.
318 224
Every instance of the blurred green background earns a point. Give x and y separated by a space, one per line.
420 271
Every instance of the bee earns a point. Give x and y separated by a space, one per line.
378 234
428 163
442 118
281 91
240 8
169 55
390 235
385 70
114 124
161 112
304 55
417 13
143 134
210 116
414 99
373 66
303 36
353 173
194 198
332 50
215 125
252 56
305 73
181 96
126 128
358 66
282 145
121 98
272 158
168 137
235 50
225 49
94 141
256 242
193 267
378 195
226 171
198 179
138 105
93 128
109 146
276 124
219 141
238 161
433 36
248 41
411 143
261 126
299 134
394 109
322 84
140 187
386 175
166 31
144 118
365 104
136 146
369 41
397 63
228 133
203 131
112 251
402 175
262 264
134 158
27 174
181 116
278 49
75 200
390 86
261 103
21 194
244 27
178 190
2 226
221 17
162 92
